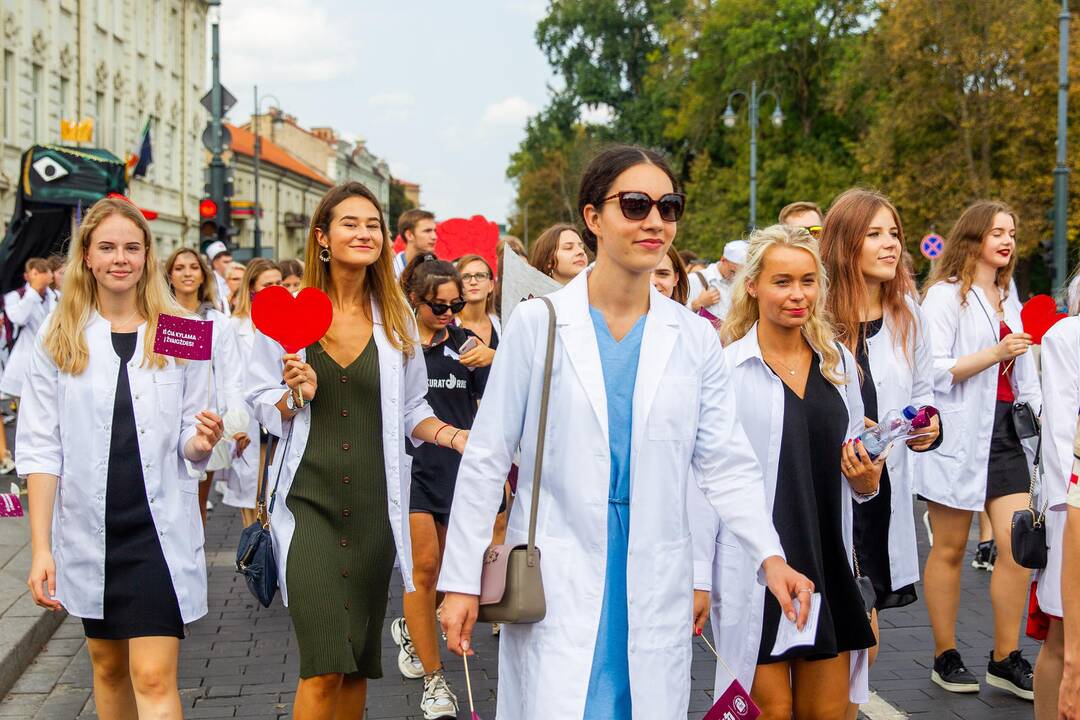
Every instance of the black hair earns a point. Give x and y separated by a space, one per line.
425 273
601 173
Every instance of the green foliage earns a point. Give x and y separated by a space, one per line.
935 102
397 204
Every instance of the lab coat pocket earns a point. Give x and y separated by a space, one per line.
954 430
169 390
190 503
657 594
730 584
673 410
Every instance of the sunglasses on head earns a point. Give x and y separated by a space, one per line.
637 205
439 308
815 231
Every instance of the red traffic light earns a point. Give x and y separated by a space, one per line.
207 208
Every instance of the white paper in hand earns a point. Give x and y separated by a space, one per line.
788 635
521 281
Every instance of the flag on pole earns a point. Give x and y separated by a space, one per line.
142 155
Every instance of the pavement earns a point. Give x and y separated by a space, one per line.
241 659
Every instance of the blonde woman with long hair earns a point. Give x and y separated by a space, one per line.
104 427
981 368
342 503
797 395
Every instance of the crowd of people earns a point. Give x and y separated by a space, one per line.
696 435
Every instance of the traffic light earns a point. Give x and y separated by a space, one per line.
215 221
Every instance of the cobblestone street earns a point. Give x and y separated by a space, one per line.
241 661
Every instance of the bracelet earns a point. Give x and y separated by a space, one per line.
454 437
436 439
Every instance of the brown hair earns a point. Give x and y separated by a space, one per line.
207 292
380 282
798 207
424 274
290 267
544 248
964 245
681 291
410 219
841 242
37 264
509 241
255 268
463 262
56 262
65 341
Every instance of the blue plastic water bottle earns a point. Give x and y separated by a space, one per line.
895 424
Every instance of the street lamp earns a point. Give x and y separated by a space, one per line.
1061 169
256 251
729 117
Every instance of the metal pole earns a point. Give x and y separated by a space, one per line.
526 243
753 154
257 249
217 126
1061 170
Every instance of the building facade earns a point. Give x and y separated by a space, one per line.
326 152
289 190
121 63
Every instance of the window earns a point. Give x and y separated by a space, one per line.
37 102
7 100
140 35
117 127
99 117
174 42
65 99
158 32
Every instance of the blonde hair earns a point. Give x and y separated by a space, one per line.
65 340
817 330
380 283
207 292
254 269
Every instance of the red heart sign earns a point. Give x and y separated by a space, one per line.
1039 314
295 322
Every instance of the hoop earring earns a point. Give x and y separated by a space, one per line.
324 254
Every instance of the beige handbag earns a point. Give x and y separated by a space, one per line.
511 586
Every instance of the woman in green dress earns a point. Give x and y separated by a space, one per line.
343 476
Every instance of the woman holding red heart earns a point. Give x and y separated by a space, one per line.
981 368
342 475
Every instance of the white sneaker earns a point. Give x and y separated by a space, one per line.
408 661
6 464
438 701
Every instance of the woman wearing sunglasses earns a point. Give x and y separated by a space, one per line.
641 392
876 316
436 293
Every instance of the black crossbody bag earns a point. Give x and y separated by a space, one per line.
255 558
1028 532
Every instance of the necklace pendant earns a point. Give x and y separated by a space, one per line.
791 371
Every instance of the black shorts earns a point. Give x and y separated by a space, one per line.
1007 472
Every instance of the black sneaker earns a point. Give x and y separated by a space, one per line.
1012 674
949 672
985 554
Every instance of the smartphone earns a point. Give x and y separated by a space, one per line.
469 344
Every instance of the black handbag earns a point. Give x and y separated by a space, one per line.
1029 525
255 558
865 585
1025 420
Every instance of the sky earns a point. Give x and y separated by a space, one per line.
440 90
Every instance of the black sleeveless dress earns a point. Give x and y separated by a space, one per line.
139 597
807 513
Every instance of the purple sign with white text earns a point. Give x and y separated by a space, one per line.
734 704
185 338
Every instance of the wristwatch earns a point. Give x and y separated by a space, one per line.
290 400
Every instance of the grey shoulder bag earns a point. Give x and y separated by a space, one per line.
511 586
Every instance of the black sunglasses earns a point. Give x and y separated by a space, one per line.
438 308
637 205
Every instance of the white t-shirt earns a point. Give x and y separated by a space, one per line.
715 280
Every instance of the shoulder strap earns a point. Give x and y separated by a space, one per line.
843 357
701 278
541 427
270 450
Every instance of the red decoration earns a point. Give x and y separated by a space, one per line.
1039 315
458 236
148 214
295 322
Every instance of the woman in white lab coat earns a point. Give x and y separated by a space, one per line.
26 308
105 428
353 398
981 367
1060 360
872 307
798 397
193 285
639 394
242 478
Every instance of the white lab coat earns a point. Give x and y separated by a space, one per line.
222 288
242 477
737 601
65 429
955 474
402 391
26 315
229 375
1060 359
683 416
714 279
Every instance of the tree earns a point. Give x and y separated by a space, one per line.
397 204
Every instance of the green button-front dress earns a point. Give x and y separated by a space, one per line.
342 551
